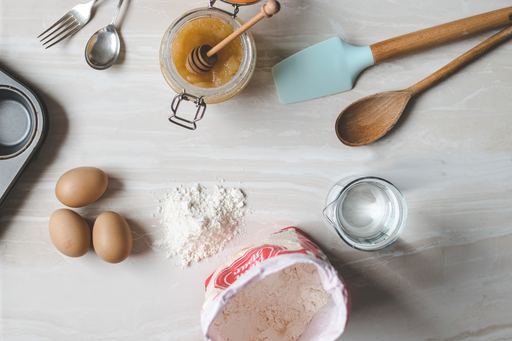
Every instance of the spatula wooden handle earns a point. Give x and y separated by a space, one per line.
460 62
439 35
267 10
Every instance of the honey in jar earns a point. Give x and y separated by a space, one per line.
207 31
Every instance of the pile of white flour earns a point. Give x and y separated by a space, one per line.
277 308
199 223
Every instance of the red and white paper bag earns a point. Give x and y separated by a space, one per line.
266 257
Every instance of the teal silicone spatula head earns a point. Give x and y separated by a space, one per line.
323 69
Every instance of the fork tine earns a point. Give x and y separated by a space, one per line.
66 29
68 25
59 29
66 16
70 33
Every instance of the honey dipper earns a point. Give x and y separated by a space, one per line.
203 58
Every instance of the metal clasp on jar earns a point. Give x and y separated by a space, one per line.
183 122
236 6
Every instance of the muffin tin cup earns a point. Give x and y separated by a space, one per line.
23 128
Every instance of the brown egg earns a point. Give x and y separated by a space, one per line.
70 233
81 186
111 237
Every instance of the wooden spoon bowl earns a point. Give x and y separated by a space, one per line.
370 118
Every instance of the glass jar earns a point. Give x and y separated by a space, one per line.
202 96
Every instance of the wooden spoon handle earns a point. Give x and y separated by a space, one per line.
460 62
267 10
439 35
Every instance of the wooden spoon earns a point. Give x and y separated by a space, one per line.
370 118
203 58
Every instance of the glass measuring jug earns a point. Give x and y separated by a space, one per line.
368 213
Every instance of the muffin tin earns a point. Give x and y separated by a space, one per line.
23 128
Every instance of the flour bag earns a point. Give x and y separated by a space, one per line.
281 288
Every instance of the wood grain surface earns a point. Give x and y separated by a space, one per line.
446 279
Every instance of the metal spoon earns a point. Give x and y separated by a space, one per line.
370 118
103 47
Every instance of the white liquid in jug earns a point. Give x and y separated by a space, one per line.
364 210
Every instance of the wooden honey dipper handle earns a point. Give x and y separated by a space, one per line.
269 9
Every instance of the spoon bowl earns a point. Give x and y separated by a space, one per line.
103 48
370 118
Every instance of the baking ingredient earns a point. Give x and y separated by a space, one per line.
111 237
199 223
207 31
265 258
81 186
69 233
277 308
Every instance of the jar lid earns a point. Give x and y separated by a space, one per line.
241 2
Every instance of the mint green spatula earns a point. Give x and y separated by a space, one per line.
332 66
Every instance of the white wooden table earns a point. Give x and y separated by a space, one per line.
448 277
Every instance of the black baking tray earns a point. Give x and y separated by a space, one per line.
23 129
